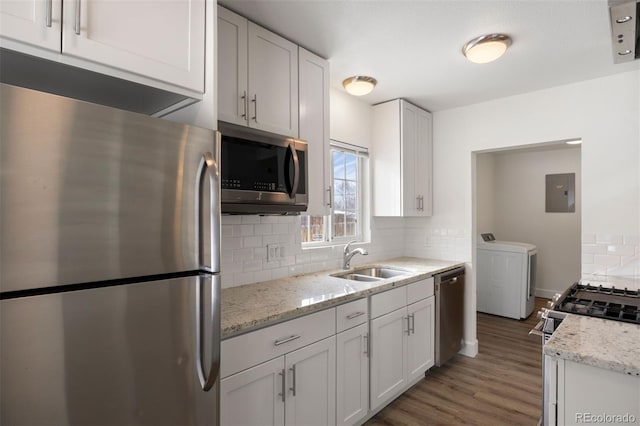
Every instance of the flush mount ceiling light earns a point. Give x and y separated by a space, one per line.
486 48
359 85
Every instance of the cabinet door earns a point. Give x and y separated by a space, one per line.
273 82
35 22
424 167
254 396
314 126
160 40
353 375
388 349
420 342
232 67
311 384
409 144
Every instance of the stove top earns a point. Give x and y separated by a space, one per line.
601 302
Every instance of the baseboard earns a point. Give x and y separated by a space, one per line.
547 294
469 349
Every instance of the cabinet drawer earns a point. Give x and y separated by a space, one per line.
351 314
419 290
388 301
242 352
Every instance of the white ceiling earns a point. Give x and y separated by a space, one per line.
413 48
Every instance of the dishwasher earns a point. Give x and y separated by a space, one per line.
449 289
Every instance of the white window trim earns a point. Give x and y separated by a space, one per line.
363 234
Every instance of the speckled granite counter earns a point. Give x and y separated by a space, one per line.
607 344
253 306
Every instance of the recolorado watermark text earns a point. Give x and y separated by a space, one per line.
604 418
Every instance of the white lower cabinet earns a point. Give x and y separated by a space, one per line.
296 389
402 340
420 341
335 366
352 375
253 397
311 384
588 394
388 349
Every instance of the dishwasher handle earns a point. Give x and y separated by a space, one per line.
450 276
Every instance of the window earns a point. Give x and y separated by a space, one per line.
347 219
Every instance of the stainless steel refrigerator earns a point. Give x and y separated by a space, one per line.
109 266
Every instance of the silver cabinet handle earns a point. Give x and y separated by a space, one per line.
355 315
418 202
408 328
366 344
413 323
293 381
76 24
284 384
47 13
286 340
255 106
244 104
330 200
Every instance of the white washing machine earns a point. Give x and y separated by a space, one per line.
506 277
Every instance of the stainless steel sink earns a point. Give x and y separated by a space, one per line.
356 277
381 272
376 273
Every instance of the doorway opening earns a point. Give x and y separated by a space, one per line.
512 189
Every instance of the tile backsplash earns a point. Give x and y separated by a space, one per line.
245 241
610 254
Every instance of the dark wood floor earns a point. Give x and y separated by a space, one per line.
502 385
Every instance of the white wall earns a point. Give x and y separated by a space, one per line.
486 193
350 119
245 238
603 112
519 211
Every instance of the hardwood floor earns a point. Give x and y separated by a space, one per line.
501 386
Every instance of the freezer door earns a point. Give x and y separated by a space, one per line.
90 193
119 355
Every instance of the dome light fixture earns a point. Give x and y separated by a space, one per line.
486 48
359 85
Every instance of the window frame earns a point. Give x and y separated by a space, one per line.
362 200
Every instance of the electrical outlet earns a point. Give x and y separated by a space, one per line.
275 252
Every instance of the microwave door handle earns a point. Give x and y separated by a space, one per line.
296 170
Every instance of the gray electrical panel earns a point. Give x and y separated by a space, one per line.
560 193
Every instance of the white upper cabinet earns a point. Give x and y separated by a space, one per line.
259 78
314 126
162 41
402 164
232 67
34 22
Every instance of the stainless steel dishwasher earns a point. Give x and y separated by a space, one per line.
449 314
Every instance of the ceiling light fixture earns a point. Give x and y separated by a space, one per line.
359 85
486 48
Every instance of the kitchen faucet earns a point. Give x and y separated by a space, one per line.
346 259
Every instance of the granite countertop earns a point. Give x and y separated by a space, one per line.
612 345
252 306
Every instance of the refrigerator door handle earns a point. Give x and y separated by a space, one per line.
208 380
209 167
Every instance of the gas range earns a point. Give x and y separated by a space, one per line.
601 302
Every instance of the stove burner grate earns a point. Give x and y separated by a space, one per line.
602 302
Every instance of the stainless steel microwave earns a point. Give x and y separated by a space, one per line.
262 172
